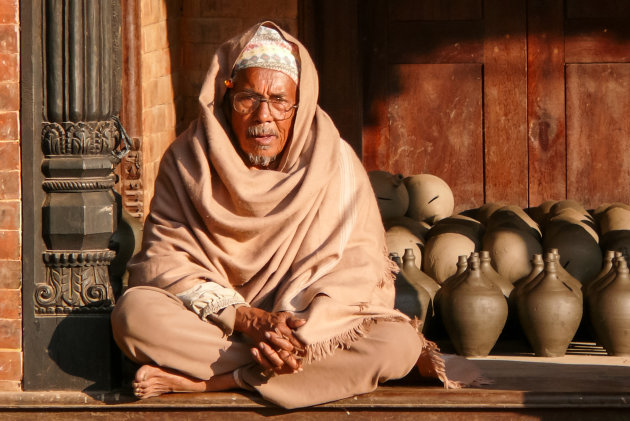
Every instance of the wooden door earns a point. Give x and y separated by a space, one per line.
515 101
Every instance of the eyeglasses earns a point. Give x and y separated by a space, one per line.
246 103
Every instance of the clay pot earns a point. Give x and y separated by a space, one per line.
580 253
430 198
488 272
399 238
537 267
474 312
416 276
610 312
606 268
484 212
510 250
419 229
574 285
540 213
446 240
549 312
391 193
411 298
603 279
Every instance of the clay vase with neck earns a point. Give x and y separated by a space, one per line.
513 325
549 311
420 280
594 287
411 298
610 312
489 273
566 277
474 311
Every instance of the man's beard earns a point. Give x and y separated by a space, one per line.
260 160
261 130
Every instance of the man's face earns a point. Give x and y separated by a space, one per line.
260 136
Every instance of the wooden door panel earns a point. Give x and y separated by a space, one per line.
435 10
598 133
435 126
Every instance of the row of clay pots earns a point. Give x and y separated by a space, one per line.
473 303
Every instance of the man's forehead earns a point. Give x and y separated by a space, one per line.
272 81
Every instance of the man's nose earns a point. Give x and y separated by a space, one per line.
263 112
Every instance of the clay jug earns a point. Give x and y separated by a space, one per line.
549 311
597 285
474 312
537 267
610 312
416 276
566 277
399 238
489 273
462 266
411 298
607 266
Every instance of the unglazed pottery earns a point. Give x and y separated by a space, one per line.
574 285
416 276
419 229
549 311
610 312
430 198
411 298
399 238
474 311
446 240
391 193
489 273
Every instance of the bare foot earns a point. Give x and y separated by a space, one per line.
153 381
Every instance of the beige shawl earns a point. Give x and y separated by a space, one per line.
306 238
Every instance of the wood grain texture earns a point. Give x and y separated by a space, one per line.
435 10
545 101
505 102
436 42
597 40
598 133
435 126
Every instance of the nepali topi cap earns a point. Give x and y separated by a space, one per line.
269 50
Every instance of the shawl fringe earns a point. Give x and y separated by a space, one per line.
391 269
432 363
320 350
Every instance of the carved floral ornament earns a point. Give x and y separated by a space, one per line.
80 138
76 282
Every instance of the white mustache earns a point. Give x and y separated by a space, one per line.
261 130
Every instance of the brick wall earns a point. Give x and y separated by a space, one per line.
178 41
10 200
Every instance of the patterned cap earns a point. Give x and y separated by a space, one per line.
269 50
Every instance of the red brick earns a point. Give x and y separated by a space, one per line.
9 39
10 304
10 212
9 156
9 125
10 274
10 365
11 333
10 386
9 186
10 96
10 245
9 11
9 68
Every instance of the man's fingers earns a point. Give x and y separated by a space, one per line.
294 322
261 360
278 341
271 355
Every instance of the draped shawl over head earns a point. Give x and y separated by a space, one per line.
305 238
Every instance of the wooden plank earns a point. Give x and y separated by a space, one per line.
598 133
586 9
545 101
336 54
597 40
505 102
435 9
374 53
435 126
436 42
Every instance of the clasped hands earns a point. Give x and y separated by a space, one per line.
276 347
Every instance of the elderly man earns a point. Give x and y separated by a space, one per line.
263 264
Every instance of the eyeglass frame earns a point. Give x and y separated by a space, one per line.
260 99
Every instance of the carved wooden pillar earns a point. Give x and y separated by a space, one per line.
80 142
